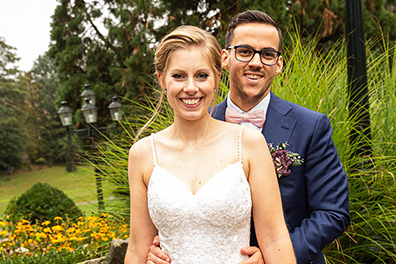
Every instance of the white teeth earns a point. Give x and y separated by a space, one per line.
190 101
251 76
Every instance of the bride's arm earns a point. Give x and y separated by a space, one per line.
270 226
142 230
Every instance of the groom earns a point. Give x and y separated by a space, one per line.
315 194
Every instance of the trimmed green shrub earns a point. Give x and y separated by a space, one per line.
42 202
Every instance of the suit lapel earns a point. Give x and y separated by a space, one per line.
278 125
219 110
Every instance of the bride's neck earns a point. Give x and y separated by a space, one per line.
191 132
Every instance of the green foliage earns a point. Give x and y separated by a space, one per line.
42 202
29 123
318 81
44 127
7 60
13 94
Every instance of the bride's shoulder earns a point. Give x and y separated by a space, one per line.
252 138
140 149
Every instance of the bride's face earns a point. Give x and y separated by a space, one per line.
189 81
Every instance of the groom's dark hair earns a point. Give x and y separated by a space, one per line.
250 16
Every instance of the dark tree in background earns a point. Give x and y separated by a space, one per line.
13 134
29 125
49 140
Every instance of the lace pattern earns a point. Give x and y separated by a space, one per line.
209 227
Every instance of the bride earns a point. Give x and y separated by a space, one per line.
197 182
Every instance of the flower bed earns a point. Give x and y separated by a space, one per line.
88 237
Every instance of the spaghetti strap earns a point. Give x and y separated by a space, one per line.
240 144
153 149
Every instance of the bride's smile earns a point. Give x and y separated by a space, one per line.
191 102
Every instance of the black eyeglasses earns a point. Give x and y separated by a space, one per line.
268 57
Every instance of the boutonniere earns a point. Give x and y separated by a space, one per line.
283 159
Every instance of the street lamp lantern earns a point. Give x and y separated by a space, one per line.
65 114
90 111
90 94
115 109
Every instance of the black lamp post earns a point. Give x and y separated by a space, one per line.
90 112
66 117
357 77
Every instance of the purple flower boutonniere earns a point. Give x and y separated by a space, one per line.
284 158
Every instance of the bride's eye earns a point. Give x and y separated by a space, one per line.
202 76
177 76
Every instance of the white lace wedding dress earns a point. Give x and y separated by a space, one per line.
211 226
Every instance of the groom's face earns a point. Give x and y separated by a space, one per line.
250 81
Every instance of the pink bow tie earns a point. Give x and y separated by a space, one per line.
257 117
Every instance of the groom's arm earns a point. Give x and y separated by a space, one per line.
327 195
255 256
156 255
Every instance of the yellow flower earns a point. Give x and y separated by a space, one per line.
105 215
40 235
47 230
4 233
29 228
46 223
57 228
57 218
71 230
2 223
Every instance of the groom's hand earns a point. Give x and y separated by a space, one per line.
156 255
254 254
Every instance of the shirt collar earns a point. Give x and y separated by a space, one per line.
263 104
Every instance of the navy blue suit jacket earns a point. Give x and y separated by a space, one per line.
315 194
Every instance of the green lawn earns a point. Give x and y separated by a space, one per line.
79 185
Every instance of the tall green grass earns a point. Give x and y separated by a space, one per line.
317 80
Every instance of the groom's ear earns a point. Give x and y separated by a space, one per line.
224 59
279 66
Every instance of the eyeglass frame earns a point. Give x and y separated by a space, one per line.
256 51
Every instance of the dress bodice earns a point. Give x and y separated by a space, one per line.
211 226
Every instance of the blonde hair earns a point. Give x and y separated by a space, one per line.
184 37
